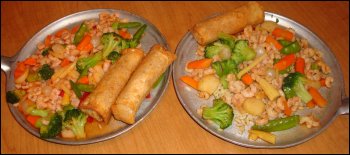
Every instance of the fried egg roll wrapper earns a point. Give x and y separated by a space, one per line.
99 102
140 84
230 23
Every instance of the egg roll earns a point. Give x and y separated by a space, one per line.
230 22
98 103
140 84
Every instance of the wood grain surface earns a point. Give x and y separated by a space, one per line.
169 129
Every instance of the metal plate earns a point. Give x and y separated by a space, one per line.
191 102
152 36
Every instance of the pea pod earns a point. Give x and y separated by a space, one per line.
80 33
117 25
284 43
137 36
293 47
279 124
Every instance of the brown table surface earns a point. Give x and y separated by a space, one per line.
169 129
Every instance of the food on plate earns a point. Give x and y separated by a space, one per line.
146 74
264 72
99 102
66 71
231 22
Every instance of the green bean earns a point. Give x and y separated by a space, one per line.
284 43
80 33
117 25
279 124
137 36
294 47
75 89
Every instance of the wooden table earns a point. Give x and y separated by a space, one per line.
169 129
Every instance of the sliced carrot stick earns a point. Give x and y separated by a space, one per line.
84 80
88 47
32 119
287 110
60 32
20 68
317 97
323 82
48 41
270 39
124 34
65 62
84 42
310 104
75 29
247 79
190 81
285 34
200 64
299 65
285 62
30 61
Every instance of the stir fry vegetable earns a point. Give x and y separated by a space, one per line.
220 113
279 124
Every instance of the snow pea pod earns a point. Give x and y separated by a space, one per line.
293 47
80 33
279 124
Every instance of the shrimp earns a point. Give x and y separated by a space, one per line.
262 121
237 100
249 92
329 81
236 86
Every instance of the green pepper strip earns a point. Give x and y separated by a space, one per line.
294 47
284 43
117 25
137 36
80 33
278 124
75 89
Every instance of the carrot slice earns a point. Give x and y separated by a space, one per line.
65 62
190 81
287 110
75 29
311 104
285 62
84 42
84 80
20 68
285 34
247 79
48 41
323 82
200 64
30 61
299 65
32 119
60 32
317 97
124 34
270 39
88 47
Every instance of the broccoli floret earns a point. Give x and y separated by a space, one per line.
75 120
227 39
217 48
223 47
14 96
242 52
220 113
53 128
225 67
110 41
32 110
113 56
293 85
46 72
46 51
83 64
